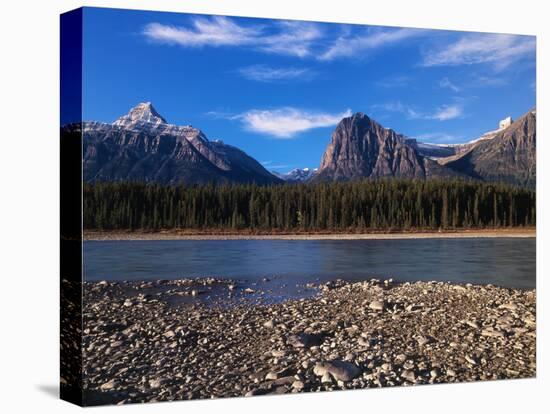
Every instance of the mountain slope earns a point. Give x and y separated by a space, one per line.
360 147
509 156
142 146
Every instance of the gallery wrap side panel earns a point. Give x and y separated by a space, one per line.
71 206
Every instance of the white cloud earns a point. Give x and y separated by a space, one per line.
353 46
284 38
216 31
290 38
397 106
446 112
446 83
293 38
500 50
264 73
287 122
441 113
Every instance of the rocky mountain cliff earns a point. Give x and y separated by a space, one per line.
509 156
142 146
360 147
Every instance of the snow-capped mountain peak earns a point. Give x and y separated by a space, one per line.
142 113
298 174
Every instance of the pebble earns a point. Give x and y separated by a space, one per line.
408 375
340 370
377 305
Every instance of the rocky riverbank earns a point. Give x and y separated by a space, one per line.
139 345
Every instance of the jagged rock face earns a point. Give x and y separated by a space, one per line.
360 147
141 146
510 156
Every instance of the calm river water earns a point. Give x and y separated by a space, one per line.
508 262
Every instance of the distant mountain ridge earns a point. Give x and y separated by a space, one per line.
142 146
297 175
362 148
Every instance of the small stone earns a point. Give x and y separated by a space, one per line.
434 373
424 340
278 353
326 378
169 334
270 324
109 385
408 375
340 370
473 324
298 385
304 340
401 358
248 290
157 383
377 305
492 333
271 376
470 359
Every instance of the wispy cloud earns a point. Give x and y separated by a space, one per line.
356 45
398 81
446 112
274 166
293 38
287 122
284 38
441 113
396 106
446 83
290 38
264 73
499 50
215 31
479 81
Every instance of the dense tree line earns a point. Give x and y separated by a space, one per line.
354 206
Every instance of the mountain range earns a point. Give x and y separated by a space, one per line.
143 146
297 175
360 147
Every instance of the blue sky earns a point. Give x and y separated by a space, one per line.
276 89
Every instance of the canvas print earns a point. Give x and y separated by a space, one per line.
253 206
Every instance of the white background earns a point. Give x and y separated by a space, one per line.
29 206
